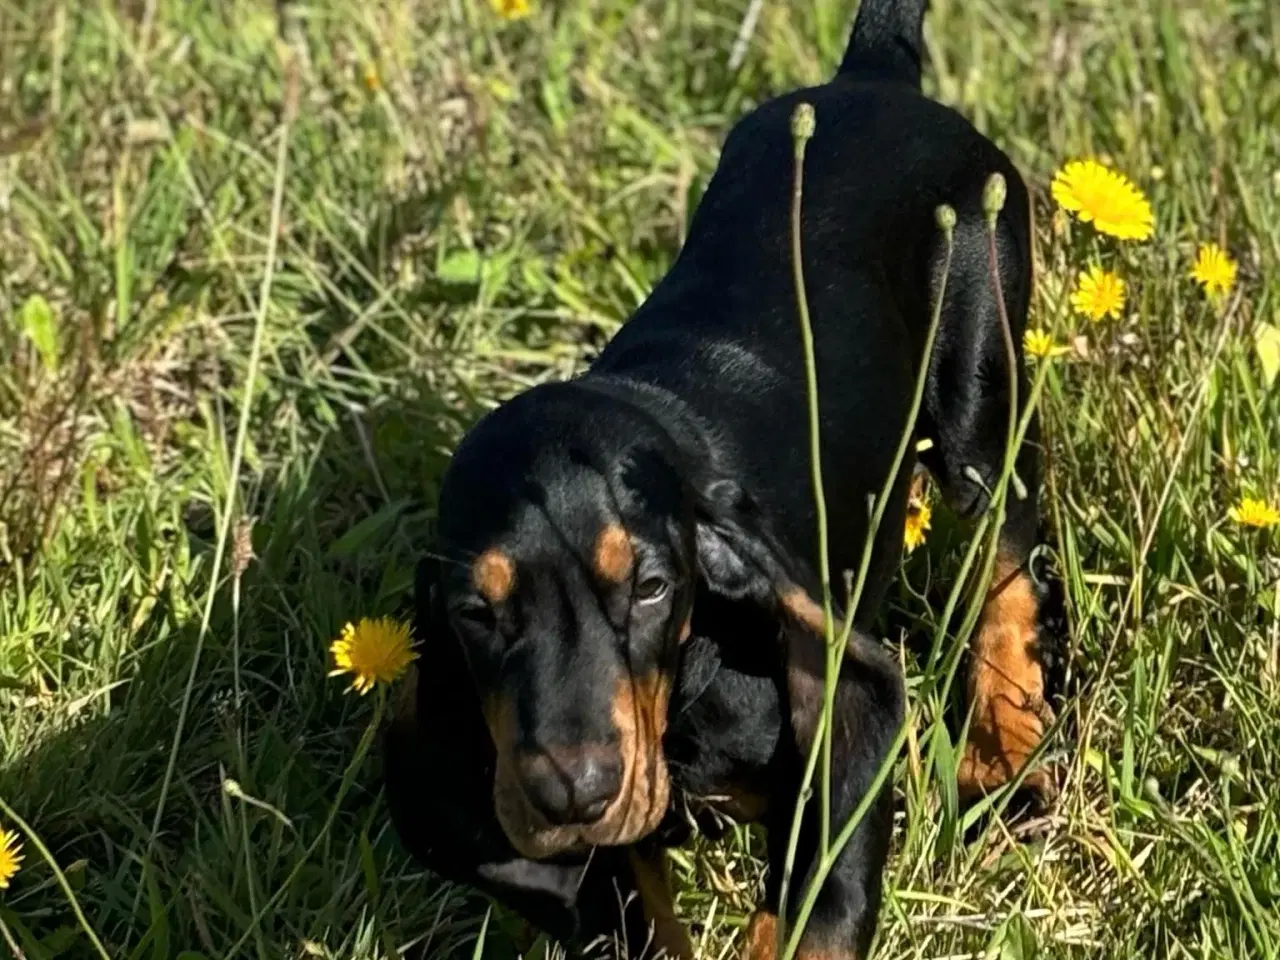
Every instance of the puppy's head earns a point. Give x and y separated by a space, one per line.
564 572
572 531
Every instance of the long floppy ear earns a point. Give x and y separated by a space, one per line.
426 598
737 557
740 558
442 668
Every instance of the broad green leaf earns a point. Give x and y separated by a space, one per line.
367 531
461 268
1266 342
61 940
1019 940
948 793
38 323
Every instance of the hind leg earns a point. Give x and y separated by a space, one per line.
968 401
1006 681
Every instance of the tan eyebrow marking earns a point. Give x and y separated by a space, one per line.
494 575
614 557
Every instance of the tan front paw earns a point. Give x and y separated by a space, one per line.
761 942
1007 727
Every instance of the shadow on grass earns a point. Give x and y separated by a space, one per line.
336 537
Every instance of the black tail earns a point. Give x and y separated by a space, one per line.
888 41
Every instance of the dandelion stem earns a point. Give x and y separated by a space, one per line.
829 853
993 200
348 778
802 128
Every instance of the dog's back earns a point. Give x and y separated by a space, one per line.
883 158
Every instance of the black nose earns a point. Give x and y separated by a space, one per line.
571 784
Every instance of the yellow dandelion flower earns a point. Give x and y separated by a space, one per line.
1099 293
10 856
1038 343
919 513
372 79
919 516
511 9
1214 269
1251 512
1105 198
374 651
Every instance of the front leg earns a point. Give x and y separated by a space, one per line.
869 709
661 934
739 558
1005 690
1005 686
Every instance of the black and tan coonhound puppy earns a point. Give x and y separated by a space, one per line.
619 620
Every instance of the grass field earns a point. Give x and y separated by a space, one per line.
257 276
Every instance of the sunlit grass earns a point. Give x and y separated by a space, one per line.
478 219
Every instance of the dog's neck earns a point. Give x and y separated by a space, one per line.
690 435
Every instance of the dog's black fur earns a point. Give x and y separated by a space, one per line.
726 726
618 620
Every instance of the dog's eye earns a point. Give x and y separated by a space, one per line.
651 590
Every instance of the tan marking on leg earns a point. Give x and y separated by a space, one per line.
761 942
1005 688
613 557
494 575
669 938
797 602
806 663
